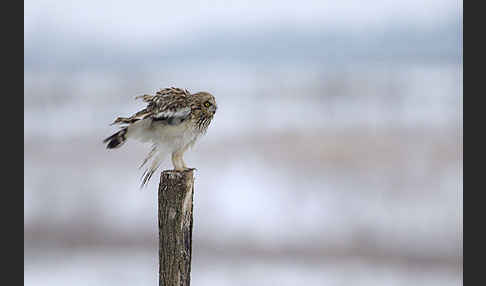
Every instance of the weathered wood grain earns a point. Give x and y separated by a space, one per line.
176 192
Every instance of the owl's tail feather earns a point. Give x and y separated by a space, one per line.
150 171
149 155
153 167
116 140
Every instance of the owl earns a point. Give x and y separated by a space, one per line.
172 122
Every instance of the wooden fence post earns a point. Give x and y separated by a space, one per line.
176 192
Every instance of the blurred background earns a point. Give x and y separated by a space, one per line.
335 157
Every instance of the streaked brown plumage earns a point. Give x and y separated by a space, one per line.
172 121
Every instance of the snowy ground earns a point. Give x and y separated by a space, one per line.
136 266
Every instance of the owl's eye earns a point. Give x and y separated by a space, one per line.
207 104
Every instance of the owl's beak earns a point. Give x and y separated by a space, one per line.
213 109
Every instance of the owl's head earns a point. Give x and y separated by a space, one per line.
207 102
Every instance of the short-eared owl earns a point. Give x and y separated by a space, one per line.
172 121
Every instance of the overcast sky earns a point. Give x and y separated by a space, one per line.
57 32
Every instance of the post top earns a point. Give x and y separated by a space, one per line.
179 172
174 174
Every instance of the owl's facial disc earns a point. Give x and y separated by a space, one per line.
211 106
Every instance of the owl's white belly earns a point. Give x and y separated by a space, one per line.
171 138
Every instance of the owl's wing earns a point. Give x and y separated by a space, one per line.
142 114
169 106
173 115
